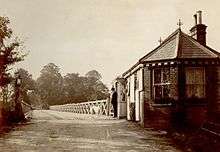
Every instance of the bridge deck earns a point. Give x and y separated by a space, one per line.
63 131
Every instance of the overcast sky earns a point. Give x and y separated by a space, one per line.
106 35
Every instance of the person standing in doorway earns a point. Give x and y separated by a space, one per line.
114 101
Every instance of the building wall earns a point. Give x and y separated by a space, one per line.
128 98
218 90
155 115
141 95
122 108
213 92
165 116
135 97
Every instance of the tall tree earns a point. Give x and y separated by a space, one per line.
50 84
84 88
96 87
10 53
10 50
74 89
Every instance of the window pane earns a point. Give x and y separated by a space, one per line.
195 82
158 92
136 83
157 76
166 91
190 90
166 75
199 76
200 91
190 76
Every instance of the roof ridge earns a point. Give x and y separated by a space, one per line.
178 43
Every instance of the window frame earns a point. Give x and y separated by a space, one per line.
136 84
162 84
194 84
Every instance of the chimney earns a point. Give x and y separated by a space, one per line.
198 31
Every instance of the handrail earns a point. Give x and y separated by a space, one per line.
26 104
99 107
26 108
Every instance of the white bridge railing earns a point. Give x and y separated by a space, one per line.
99 107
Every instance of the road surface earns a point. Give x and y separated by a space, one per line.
52 131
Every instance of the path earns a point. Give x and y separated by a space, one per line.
52 131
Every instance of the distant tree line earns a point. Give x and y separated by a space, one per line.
51 88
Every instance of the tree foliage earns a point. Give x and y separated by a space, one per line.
28 85
94 74
50 84
72 88
84 88
10 50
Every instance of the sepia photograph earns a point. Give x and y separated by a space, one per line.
109 76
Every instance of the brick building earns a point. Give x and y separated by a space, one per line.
177 81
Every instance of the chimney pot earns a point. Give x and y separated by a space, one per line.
195 18
199 18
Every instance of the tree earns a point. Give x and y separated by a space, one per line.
27 84
96 86
10 50
84 88
74 89
94 74
50 84
10 53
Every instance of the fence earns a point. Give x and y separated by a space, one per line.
27 109
99 107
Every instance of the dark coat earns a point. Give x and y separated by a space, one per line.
114 98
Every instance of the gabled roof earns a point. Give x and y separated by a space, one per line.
179 46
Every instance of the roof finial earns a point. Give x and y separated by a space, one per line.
160 40
180 23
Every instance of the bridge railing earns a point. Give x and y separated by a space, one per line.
99 107
27 109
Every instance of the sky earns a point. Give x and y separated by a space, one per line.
106 35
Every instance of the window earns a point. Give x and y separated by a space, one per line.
136 85
136 82
128 88
195 82
161 84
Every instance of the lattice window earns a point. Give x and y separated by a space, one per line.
161 84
